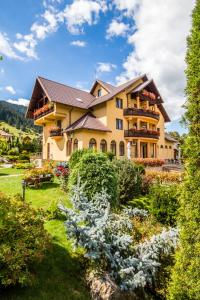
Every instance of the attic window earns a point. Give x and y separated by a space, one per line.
78 99
99 93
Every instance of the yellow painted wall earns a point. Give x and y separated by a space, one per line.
104 91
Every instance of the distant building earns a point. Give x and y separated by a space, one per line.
5 135
127 120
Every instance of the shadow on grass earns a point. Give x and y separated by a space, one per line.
45 186
58 277
4 174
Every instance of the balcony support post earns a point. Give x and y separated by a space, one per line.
138 148
138 123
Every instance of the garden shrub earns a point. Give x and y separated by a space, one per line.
24 157
149 162
23 165
141 202
13 151
96 172
164 203
23 241
76 157
165 177
129 179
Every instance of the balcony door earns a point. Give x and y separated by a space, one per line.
143 150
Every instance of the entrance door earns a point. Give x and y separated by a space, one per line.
143 150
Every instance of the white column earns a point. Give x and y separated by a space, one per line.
129 150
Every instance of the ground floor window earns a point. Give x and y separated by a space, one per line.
75 146
103 146
113 147
93 144
121 148
69 148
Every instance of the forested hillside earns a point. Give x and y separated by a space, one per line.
15 115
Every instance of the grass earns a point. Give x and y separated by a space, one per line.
60 276
10 171
17 132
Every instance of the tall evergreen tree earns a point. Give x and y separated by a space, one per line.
185 282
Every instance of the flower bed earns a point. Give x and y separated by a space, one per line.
160 176
149 162
62 172
35 177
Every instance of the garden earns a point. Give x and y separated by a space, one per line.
110 224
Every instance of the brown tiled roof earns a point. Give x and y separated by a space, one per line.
170 138
115 91
65 94
87 121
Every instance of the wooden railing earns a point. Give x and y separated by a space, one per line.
141 112
142 133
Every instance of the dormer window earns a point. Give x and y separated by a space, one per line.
99 93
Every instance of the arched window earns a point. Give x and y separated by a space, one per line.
161 146
75 146
69 148
121 148
103 146
166 147
113 147
93 144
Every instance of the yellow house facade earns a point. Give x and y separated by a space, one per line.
127 120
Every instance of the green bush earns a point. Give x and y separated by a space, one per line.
12 158
26 165
23 241
129 179
164 203
96 172
76 157
13 151
24 157
142 202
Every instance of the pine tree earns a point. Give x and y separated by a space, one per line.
186 274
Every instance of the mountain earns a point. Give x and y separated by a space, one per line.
14 115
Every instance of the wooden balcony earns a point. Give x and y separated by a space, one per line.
46 114
141 112
56 133
141 133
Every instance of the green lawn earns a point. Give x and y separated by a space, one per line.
10 171
60 276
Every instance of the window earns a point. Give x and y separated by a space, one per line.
103 146
170 147
119 103
161 146
166 147
92 144
99 92
121 148
113 147
69 148
119 124
75 146
158 129
59 123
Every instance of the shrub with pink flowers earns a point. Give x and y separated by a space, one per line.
61 171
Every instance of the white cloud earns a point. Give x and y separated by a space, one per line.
78 43
116 29
26 45
6 47
82 12
10 89
20 101
128 7
105 67
159 47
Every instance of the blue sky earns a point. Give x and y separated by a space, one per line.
74 41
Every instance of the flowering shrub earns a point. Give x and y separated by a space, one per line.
107 241
62 172
23 241
43 109
150 162
160 176
36 176
22 165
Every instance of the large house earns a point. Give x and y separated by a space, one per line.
127 120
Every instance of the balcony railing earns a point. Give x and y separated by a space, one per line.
141 112
153 134
56 132
43 111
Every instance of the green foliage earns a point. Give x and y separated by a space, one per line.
142 202
186 274
13 151
24 157
129 179
96 173
23 241
110 155
164 203
24 165
76 157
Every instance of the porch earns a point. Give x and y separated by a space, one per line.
137 148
